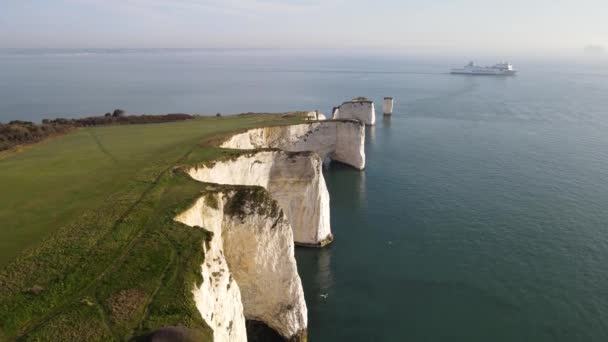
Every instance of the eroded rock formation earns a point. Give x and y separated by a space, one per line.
360 109
259 202
250 270
342 140
295 180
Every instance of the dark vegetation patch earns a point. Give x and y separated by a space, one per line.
23 132
360 99
211 200
243 200
119 118
19 132
251 199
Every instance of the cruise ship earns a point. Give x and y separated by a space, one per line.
500 69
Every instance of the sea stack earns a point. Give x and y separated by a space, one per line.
387 106
359 108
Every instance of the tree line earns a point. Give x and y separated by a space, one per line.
18 132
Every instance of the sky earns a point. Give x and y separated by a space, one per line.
515 26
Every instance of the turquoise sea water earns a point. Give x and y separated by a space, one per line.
482 214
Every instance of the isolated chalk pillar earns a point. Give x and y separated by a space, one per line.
387 106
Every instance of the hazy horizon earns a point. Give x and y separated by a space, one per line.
570 57
537 27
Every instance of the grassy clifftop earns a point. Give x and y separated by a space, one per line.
88 247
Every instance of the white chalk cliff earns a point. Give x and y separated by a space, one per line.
342 141
294 180
218 299
250 270
316 115
357 109
260 202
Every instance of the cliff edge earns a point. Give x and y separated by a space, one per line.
264 195
339 140
250 270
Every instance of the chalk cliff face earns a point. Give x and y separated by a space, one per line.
316 115
294 180
342 141
259 202
218 299
362 110
250 269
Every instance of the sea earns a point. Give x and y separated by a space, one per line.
482 214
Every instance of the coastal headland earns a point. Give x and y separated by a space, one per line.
130 232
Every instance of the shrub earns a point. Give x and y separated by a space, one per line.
19 132
118 113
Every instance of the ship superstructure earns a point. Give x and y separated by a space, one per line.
500 69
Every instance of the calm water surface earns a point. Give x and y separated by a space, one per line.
482 214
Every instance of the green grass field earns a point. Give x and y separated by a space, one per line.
88 247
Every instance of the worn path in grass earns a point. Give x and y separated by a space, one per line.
43 187
88 218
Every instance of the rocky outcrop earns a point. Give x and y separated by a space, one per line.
340 140
250 270
294 180
316 115
312 115
218 298
258 203
387 105
360 109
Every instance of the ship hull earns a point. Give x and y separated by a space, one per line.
484 73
